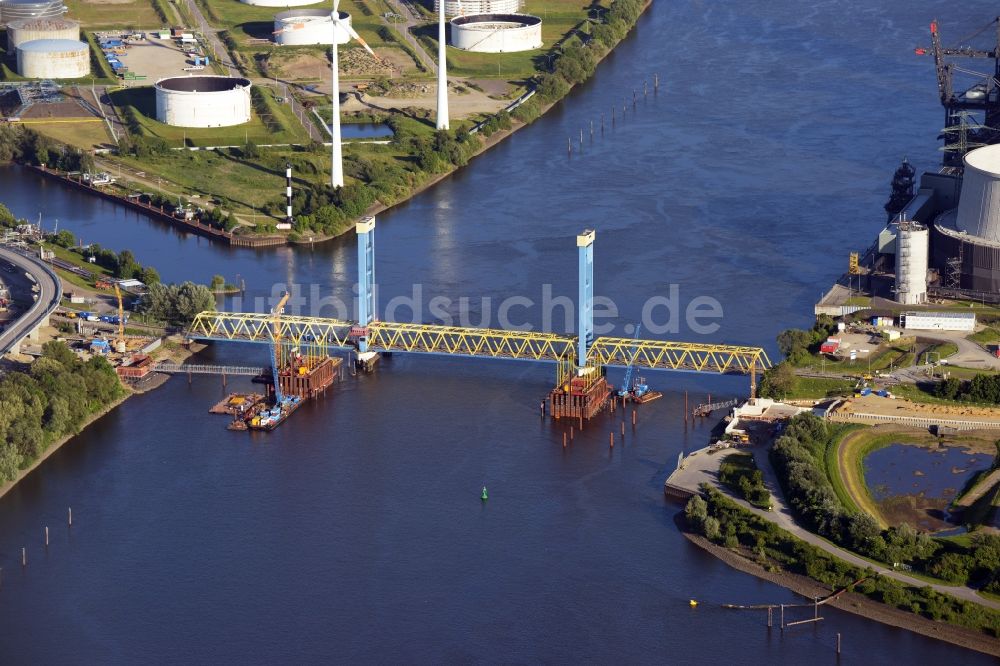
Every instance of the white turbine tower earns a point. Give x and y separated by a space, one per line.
442 115
337 158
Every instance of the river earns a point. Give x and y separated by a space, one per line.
355 531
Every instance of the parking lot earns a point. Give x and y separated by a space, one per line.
153 58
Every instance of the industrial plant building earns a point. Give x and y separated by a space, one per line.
942 238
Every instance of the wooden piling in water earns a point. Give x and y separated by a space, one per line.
24 557
633 418
838 642
70 523
564 440
623 431
46 536
770 610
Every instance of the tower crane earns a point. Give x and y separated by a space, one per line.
120 345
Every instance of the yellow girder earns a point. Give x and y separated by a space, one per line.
258 327
495 343
661 354
482 342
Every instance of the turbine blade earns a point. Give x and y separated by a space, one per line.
353 33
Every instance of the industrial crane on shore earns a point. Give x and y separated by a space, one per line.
983 96
120 345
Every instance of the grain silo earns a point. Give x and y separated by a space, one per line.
298 27
53 59
28 30
203 101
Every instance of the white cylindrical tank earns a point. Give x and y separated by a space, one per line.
979 202
300 27
28 30
12 10
280 3
496 33
53 59
912 247
203 101
471 7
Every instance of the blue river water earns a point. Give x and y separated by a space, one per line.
355 532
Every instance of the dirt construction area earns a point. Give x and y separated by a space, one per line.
872 404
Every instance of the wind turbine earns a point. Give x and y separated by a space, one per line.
442 114
337 158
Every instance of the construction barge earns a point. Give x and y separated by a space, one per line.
299 380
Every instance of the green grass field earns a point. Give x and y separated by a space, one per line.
819 387
137 14
986 336
143 100
88 134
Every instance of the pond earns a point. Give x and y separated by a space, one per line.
365 131
915 484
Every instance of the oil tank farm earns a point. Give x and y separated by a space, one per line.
28 30
203 101
454 8
12 10
496 33
280 3
53 59
300 27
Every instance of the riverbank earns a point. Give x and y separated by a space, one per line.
849 601
55 446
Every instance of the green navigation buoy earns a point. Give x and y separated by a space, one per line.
485 496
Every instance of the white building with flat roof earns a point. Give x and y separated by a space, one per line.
938 321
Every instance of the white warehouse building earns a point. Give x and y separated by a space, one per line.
938 321
203 101
299 27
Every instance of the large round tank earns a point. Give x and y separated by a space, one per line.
496 33
12 10
280 3
912 248
471 7
53 59
203 101
28 30
979 202
308 26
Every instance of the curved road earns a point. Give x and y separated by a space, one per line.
50 291
782 516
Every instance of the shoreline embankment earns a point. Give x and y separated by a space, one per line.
850 602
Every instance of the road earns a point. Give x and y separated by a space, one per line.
50 292
412 18
781 515
212 35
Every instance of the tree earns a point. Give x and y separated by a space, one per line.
778 381
149 276
128 267
64 238
218 282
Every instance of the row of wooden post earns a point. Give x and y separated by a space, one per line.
815 618
24 549
635 101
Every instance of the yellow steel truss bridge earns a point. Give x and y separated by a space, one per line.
479 342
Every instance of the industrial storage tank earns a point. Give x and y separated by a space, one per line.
979 202
12 10
912 249
496 33
53 59
471 7
28 30
300 27
203 101
280 3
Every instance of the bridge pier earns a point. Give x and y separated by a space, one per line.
367 304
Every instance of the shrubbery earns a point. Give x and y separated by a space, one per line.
177 304
49 401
